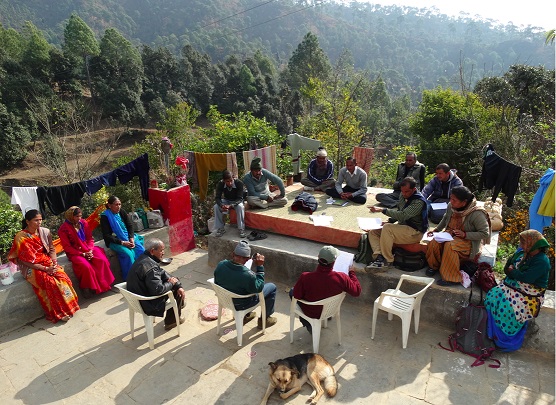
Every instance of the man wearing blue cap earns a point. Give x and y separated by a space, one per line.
235 277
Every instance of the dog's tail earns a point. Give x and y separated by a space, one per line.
331 385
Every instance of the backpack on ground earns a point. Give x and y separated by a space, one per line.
484 277
408 261
471 334
364 252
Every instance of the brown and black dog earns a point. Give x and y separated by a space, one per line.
289 374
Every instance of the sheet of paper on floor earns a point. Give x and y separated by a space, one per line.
368 223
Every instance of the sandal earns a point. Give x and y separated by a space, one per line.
256 235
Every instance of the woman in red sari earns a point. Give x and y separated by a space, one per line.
90 264
32 250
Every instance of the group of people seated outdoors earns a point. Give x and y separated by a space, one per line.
511 304
34 253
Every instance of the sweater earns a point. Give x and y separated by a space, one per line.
239 279
324 283
435 188
357 181
475 226
417 171
259 188
235 194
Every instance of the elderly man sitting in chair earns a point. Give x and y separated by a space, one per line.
147 278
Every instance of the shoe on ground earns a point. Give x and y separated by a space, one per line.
379 263
270 321
174 324
430 272
220 232
242 233
307 188
445 283
249 317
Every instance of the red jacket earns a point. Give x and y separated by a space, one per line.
323 283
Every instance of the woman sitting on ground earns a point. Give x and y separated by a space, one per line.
468 224
90 264
117 231
32 250
519 298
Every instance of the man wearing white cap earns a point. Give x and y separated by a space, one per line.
322 283
319 173
235 277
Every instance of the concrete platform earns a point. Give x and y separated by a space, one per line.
92 359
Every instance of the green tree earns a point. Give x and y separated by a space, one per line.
117 76
15 137
307 61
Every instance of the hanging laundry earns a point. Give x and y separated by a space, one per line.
267 155
499 173
60 198
192 172
231 164
547 204
364 157
207 162
25 197
96 183
537 220
137 167
297 144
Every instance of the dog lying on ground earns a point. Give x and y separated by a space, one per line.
288 376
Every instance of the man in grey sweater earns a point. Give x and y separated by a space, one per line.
258 191
355 178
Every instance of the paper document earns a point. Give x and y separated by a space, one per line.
369 223
321 220
442 236
343 262
341 203
439 206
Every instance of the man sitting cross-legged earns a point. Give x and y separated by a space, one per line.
258 191
355 178
320 173
412 223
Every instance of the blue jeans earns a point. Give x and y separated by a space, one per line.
269 292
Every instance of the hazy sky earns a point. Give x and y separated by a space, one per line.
537 13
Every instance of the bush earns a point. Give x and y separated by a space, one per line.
10 224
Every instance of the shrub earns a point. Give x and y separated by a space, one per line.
10 224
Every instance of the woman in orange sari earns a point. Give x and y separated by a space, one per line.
32 250
90 264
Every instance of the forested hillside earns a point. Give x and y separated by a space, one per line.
410 49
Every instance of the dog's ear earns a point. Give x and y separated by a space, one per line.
273 366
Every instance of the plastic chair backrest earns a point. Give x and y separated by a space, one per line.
330 305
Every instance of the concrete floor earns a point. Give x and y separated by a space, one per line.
92 359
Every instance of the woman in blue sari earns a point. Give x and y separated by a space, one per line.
117 231
518 299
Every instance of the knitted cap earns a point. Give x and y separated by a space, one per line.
322 152
243 249
328 254
256 163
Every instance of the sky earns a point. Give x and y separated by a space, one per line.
537 13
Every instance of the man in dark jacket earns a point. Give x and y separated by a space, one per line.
410 168
147 278
229 195
439 189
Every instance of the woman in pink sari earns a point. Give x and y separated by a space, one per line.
90 264
33 251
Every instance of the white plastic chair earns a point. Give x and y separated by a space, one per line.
396 302
225 301
330 308
134 306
